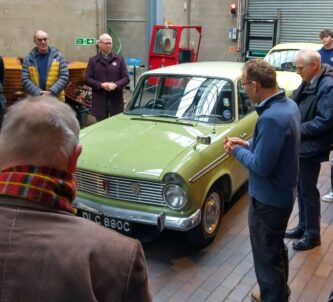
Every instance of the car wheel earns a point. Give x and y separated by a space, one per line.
211 216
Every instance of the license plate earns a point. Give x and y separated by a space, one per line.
119 225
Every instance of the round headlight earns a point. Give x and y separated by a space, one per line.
175 196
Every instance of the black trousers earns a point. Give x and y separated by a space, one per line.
267 227
309 197
331 176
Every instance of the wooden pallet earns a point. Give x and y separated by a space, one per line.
13 89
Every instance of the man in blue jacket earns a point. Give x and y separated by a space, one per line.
44 69
272 160
314 98
326 54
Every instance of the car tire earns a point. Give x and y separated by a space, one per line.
211 216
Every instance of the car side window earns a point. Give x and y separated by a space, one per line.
245 106
224 106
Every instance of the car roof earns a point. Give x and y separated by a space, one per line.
297 45
230 70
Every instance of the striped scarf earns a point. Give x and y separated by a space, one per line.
50 187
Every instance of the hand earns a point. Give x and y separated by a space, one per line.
109 86
227 145
238 141
230 143
45 92
112 86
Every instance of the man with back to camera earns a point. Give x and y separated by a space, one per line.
107 75
272 160
46 252
326 53
314 98
44 69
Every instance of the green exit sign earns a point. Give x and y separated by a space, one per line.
85 41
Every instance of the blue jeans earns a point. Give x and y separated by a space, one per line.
267 227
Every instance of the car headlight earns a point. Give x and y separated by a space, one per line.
175 196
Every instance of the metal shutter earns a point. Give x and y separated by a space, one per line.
298 20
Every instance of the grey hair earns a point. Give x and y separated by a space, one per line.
309 56
104 36
38 129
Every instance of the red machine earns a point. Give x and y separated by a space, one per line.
174 44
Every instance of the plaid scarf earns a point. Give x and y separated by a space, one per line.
46 186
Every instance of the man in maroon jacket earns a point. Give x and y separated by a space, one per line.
107 75
46 252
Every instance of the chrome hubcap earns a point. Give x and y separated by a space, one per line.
212 212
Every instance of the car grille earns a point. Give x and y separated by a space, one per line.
120 188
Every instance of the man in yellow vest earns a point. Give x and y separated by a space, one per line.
44 69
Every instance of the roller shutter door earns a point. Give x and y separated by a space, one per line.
298 20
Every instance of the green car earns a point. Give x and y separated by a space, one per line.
282 57
162 163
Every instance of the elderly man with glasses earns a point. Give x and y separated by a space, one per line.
107 75
44 69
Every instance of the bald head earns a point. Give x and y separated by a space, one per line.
40 33
38 131
41 40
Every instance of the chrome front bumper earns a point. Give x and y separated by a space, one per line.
160 220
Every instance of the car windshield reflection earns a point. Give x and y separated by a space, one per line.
283 60
203 99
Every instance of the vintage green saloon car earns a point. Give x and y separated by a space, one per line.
162 161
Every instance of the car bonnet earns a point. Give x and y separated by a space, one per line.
138 148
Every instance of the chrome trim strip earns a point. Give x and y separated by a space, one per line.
210 167
172 223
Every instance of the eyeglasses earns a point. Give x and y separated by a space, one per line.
244 83
39 40
106 43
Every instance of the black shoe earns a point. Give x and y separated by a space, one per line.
294 233
306 243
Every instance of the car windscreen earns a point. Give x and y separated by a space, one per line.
283 60
194 98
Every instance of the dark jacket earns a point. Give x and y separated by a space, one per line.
272 158
100 70
2 70
53 256
315 103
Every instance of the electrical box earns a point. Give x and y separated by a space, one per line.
233 33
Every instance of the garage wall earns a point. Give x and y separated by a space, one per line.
215 18
63 20
128 20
